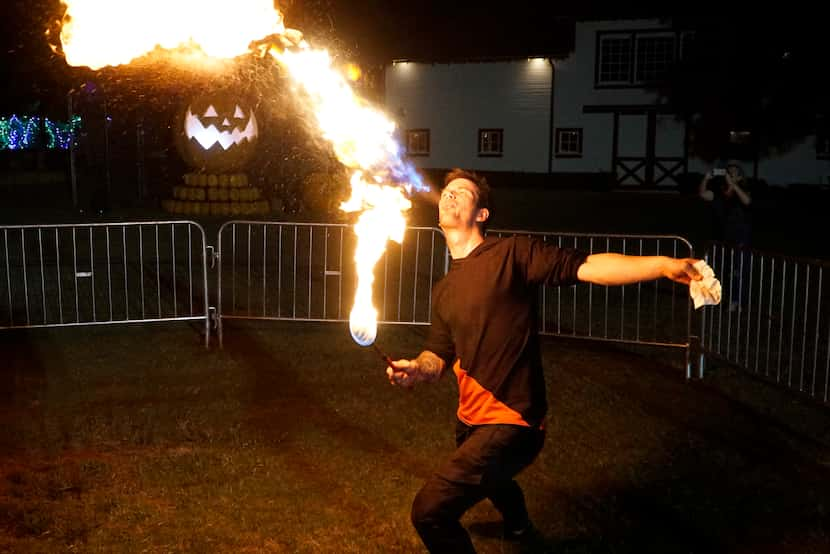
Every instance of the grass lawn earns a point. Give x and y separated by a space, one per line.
290 439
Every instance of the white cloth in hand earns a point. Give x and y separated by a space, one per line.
705 292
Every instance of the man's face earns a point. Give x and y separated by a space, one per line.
457 207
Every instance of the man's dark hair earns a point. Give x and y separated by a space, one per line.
483 196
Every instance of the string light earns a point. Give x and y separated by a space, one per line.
60 135
20 133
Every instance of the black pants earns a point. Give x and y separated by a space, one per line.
485 461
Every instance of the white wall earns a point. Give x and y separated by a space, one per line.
797 166
574 88
454 101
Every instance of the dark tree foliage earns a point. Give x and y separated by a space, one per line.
763 74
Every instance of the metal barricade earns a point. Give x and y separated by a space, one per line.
657 313
297 271
305 272
773 320
103 273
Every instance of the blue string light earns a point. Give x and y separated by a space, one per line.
19 133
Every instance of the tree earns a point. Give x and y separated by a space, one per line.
760 79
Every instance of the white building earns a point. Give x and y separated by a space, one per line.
587 113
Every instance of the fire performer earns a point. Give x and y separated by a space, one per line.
483 327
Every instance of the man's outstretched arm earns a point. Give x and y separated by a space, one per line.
427 367
619 269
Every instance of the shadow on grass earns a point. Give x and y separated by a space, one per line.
291 440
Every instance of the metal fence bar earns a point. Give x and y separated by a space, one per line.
190 266
158 269
659 314
639 299
126 278
816 341
264 267
25 277
310 256
310 293
777 302
42 275
325 270
622 302
294 286
59 279
827 367
804 329
559 298
415 288
340 279
109 273
400 278
75 274
781 320
68 274
248 275
749 310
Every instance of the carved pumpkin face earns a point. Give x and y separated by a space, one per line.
217 133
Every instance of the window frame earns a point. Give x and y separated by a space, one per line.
409 139
488 153
635 36
560 131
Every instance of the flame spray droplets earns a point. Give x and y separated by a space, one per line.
98 33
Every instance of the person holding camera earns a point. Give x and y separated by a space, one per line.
727 190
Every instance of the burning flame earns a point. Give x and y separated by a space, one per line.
382 219
363 139
98 33
112 32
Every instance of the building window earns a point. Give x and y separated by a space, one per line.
637 58
568 143
490 142
417 142
687 45
655 57
615 59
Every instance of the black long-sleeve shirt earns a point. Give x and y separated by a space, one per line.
484 326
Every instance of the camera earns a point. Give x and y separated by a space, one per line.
719 172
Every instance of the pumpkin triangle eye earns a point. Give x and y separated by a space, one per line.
211 112
238 113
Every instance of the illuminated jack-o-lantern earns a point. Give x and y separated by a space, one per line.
217 133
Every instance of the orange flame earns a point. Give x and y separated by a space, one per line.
98 33
363 139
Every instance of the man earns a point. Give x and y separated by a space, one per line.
726 190
730 204
483 327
